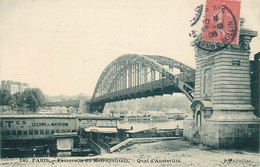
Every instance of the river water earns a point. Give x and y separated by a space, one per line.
167 124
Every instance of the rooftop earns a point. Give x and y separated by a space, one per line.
140 130
101 130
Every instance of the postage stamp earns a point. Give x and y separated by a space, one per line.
221 23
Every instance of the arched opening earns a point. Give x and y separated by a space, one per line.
199 119
202 110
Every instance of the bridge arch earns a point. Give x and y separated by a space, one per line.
134 76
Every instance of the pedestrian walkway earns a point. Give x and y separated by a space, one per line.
133 140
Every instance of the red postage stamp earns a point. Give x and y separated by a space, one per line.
221 22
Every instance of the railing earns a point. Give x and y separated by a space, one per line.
143 140
116 147
105 146
95 146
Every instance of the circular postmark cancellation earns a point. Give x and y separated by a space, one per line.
209 46
198 12
194 33
220 25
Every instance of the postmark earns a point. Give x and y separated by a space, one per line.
193 22
209 46
198 12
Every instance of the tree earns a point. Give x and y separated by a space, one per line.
33 98
5 97
18 100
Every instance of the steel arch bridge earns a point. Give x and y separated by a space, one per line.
135 76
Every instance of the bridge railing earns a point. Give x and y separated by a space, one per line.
116 147
105 146
95 146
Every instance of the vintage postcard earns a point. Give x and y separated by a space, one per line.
129 83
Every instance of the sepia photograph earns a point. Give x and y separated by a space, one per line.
129 83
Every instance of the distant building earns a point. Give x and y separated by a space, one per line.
172 114
155 112
13 86
174 111
84 104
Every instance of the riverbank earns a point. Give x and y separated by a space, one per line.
163 153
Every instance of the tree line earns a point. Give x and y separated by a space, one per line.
157 103
29 100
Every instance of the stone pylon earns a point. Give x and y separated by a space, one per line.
222 111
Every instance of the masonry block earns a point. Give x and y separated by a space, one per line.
223 116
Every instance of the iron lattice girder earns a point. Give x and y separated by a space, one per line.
145 90
130 71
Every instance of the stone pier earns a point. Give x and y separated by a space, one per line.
65 140
222 112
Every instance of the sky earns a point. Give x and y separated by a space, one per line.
62 46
